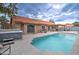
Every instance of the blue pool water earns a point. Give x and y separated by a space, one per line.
55 42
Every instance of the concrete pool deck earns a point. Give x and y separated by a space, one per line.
23 46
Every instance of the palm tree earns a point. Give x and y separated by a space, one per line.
12 12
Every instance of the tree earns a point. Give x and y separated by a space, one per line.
76 23
12 12
3 21
9 10
3 11
52 21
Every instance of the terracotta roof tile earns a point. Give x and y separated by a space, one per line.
24 20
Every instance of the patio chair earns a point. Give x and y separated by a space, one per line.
45 30
5 45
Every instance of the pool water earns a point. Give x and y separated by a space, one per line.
55 42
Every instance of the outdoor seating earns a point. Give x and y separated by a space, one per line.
5 45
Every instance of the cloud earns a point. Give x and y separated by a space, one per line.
55 11
44 9
67 20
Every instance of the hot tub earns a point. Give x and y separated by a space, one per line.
6 34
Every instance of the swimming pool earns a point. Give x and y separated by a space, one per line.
59 42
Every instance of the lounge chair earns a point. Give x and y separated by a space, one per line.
5 45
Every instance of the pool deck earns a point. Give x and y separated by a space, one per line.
23 46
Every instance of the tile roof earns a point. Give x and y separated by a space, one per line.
25 20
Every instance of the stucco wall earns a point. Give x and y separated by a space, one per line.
46 27
25 28
37 28
17 26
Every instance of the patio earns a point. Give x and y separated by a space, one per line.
23 46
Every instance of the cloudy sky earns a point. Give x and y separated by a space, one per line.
60 13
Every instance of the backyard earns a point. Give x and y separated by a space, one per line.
39 29
24 46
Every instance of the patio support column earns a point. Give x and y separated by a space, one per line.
25 28
46 27
37 28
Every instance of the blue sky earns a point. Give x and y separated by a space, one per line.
58 12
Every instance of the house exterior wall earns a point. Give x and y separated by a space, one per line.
38 28
22 24
17 26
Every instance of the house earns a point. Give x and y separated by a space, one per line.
69 25
28 25
65 27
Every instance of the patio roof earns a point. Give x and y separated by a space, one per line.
24 20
